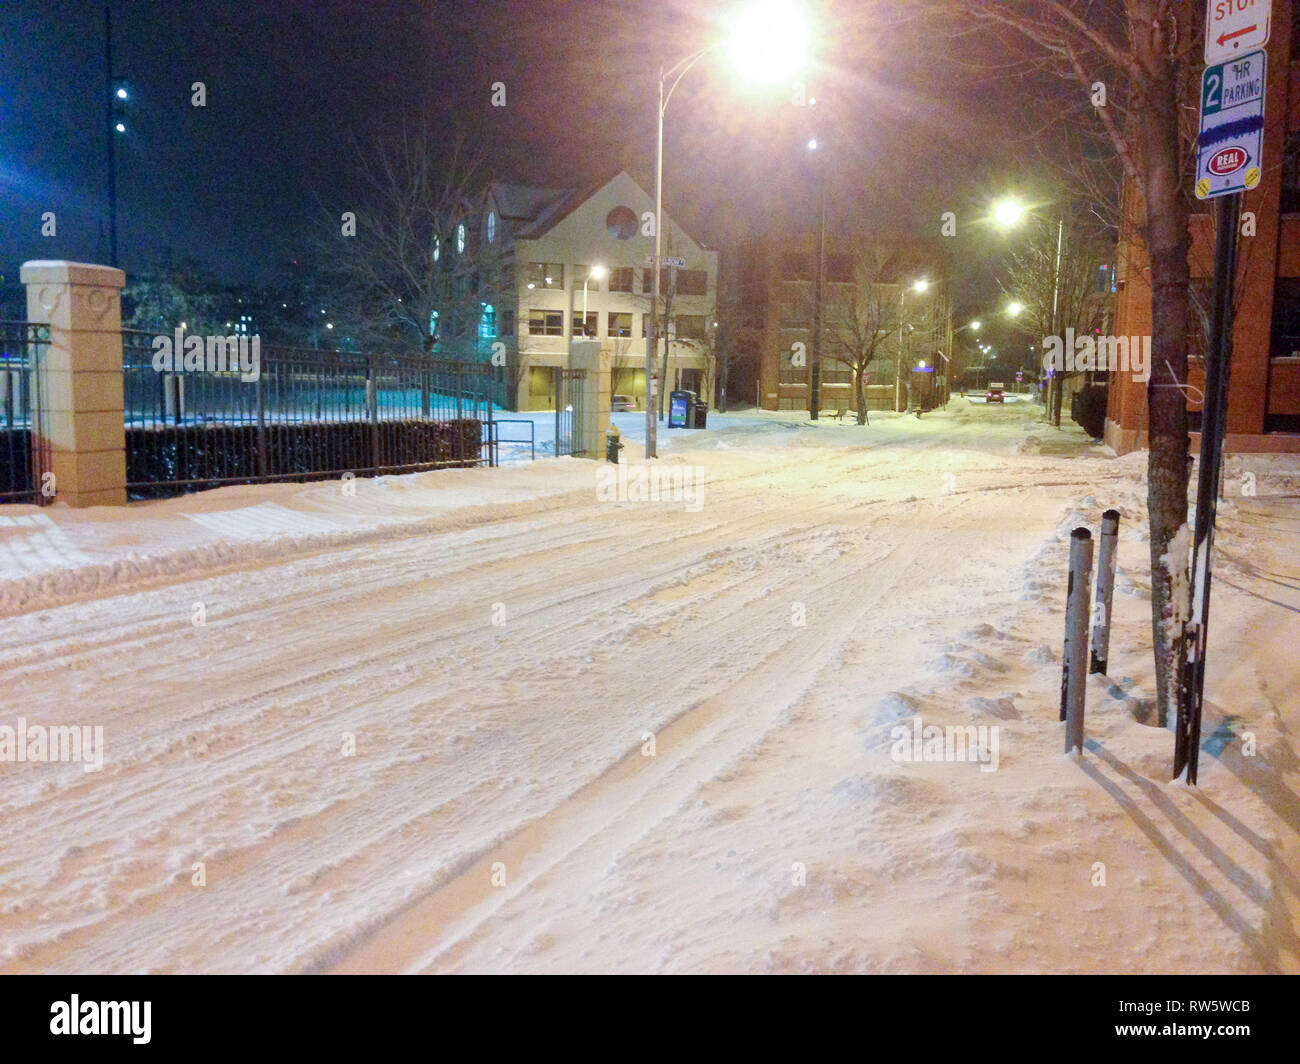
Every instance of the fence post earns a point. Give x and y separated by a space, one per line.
1105 591
261 426
1073 675
80 402
372 401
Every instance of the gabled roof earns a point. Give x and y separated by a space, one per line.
535 211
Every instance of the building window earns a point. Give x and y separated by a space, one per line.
507 320
591 324
1291 174
621 223
692 282
839 269
545 274
492 226
437 248
620 325
546 322
460 239
1286 318
620 279
791 374
796 267
582 276
794 313
690 327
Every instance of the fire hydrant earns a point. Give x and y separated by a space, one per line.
613 444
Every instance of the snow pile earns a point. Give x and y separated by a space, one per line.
481 720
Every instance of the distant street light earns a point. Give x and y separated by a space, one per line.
975 326
596 272
766 42
1014 308
1008 213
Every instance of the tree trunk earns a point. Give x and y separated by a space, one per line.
1168 244
862 396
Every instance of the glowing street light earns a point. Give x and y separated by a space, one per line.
920 286
766 42
1015 307
1007 213
975 326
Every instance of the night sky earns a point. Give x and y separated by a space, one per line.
293 88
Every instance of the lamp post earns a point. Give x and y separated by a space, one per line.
819 283
596 272
917 286
1008 213
767 42
115 95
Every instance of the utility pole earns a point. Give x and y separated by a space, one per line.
1058 381
819 278
110 130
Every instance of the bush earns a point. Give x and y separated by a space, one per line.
1088 409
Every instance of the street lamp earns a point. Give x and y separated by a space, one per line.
1015 307
766 42
596 272
917 286
1008 213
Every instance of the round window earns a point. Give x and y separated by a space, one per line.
621 222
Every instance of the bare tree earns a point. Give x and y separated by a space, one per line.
411 254
873 314
1058 297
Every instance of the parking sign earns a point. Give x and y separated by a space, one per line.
1229 147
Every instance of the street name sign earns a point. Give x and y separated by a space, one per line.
666 260
1230 143
1235 27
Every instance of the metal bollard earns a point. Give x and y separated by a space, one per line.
1073 675
1105 591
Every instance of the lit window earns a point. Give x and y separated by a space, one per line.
437 248
492 226
460 239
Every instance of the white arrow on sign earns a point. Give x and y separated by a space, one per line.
1235 27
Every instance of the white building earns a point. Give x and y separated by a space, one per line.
553 240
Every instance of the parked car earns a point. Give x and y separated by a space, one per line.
622 402
994 394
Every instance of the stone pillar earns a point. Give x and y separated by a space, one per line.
81 417
589 430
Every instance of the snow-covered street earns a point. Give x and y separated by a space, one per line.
597 735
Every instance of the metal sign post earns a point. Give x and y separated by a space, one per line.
1228 162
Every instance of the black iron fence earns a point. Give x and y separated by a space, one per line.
568 410
234 411
24 457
